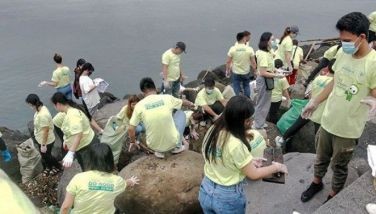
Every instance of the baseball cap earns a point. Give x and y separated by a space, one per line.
181 45
294 29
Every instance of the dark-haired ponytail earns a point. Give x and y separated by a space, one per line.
34 100
59 97
285 33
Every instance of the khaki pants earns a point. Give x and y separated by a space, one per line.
337 151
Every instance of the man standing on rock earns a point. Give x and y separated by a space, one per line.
345 114
171 69
240 57
163 128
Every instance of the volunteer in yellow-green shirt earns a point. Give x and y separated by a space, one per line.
95 190
44 134
285 47
344 116
4 152
281 87
257 142
329 55
265 79
12 198
296 57
211 99
228 160
372 28
171 69
60 78
78 134
247 36
163 128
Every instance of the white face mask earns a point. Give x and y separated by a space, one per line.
209 91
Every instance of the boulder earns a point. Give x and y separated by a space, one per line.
106 98
12 139
166 185
65 178
103 114
264 197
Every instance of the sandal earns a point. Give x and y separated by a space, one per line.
46 172
54 171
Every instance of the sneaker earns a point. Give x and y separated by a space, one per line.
279 141
178 150
328 198
311 191
371 208
6 155
159 155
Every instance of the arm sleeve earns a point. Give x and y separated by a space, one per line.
72 187
165 59
136 116
230 52
262 61
219 94
285 84
87 84
200 99
55 76
75 125
241 156
175 102
289 46
44 121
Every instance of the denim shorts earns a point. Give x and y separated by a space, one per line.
66 90
215 198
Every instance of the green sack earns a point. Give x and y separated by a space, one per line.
114 134
289 117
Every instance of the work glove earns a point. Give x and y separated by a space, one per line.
68 159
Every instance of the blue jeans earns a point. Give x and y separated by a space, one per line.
66 90
174 88
215 198
140 129
179 120
239 81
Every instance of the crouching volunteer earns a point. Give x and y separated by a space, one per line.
228 160
211 99
78 134
94 190
163 128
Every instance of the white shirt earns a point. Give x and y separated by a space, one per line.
91 98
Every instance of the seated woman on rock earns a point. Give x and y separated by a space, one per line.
78 134
211 99
44 134
94 190
228 160
126 112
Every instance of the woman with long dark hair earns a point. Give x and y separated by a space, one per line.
265 79
78 134
94 190
228 160
77 73
44 134
285 47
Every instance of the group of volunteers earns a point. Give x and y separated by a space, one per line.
340 99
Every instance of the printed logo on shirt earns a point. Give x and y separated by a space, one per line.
101 186
256 142
154 105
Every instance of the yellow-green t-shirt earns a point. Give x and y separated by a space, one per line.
61 76
155 111
372 20
344 115
265 60
241 58
59 119
318 85
235 155
76 122
204 98
258 144
331 52
173 64
285 46
280 84
297 53
95 192
122 115
42 119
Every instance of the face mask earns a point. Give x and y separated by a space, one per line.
209 91
349 47
274 44
294 35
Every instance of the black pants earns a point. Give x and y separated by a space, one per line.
3 147
323 63
273 112
299 123
82 155
48 160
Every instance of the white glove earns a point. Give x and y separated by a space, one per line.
43 83
43 148
68 159
280 167
166 84
309 109
278 75
288 103
133 181
371 153
195 135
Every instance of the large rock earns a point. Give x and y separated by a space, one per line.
12 139
65 178
353 199
264 197
103 114
166 186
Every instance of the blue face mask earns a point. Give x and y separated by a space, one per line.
274 44
349 47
